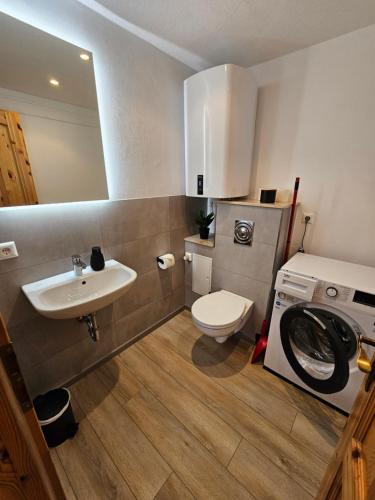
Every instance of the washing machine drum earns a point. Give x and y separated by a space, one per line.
319 342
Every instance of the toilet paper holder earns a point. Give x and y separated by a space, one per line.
165 261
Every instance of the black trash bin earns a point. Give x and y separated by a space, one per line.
55 416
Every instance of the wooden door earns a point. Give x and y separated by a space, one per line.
351 474
16 180
26 468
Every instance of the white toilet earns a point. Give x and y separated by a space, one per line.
221 314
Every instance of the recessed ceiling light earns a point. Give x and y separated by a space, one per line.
84 56
54 82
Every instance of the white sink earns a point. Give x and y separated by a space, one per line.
69 296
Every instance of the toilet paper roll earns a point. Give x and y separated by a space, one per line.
166 261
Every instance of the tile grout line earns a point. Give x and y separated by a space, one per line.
23 267
280 469
175 473
186 486
234 477
162 486
235 451
313 451
294 421
298 409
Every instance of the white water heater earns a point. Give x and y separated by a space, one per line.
220 106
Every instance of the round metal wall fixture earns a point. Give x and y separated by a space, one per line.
243 232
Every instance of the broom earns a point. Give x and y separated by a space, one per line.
261 342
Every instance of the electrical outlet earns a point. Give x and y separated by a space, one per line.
8 250
308 214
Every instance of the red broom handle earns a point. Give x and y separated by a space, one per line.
291 221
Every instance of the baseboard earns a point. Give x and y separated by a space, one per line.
122 347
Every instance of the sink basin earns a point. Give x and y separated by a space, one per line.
69 296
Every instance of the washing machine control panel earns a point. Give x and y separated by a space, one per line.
283 300
325 291
331 291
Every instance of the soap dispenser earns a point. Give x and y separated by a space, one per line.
97 259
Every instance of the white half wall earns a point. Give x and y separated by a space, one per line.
64 146
140 97
316 120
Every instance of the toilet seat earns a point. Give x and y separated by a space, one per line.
218 310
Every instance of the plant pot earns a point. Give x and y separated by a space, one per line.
204 232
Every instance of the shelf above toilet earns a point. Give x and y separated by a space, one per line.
195 238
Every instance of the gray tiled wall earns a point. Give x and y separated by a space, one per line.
247 271
134 232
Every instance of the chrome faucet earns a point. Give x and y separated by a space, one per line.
78 265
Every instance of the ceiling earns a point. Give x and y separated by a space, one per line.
244 32
200 33
30 58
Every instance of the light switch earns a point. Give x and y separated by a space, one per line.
8 250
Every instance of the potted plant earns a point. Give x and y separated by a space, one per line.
204 222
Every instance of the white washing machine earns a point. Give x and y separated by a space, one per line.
321 307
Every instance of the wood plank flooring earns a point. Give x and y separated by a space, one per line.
179 416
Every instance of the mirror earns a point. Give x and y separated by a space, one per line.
50 141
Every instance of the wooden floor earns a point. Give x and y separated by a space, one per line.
178 416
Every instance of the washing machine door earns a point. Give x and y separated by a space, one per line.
319 342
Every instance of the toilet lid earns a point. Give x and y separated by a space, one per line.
218 310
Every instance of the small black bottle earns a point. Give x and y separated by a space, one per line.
97 259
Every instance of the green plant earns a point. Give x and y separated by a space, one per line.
204 220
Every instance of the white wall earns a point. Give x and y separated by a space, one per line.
64 147
316 119
140 97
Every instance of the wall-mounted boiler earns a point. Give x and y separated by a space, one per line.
220 107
